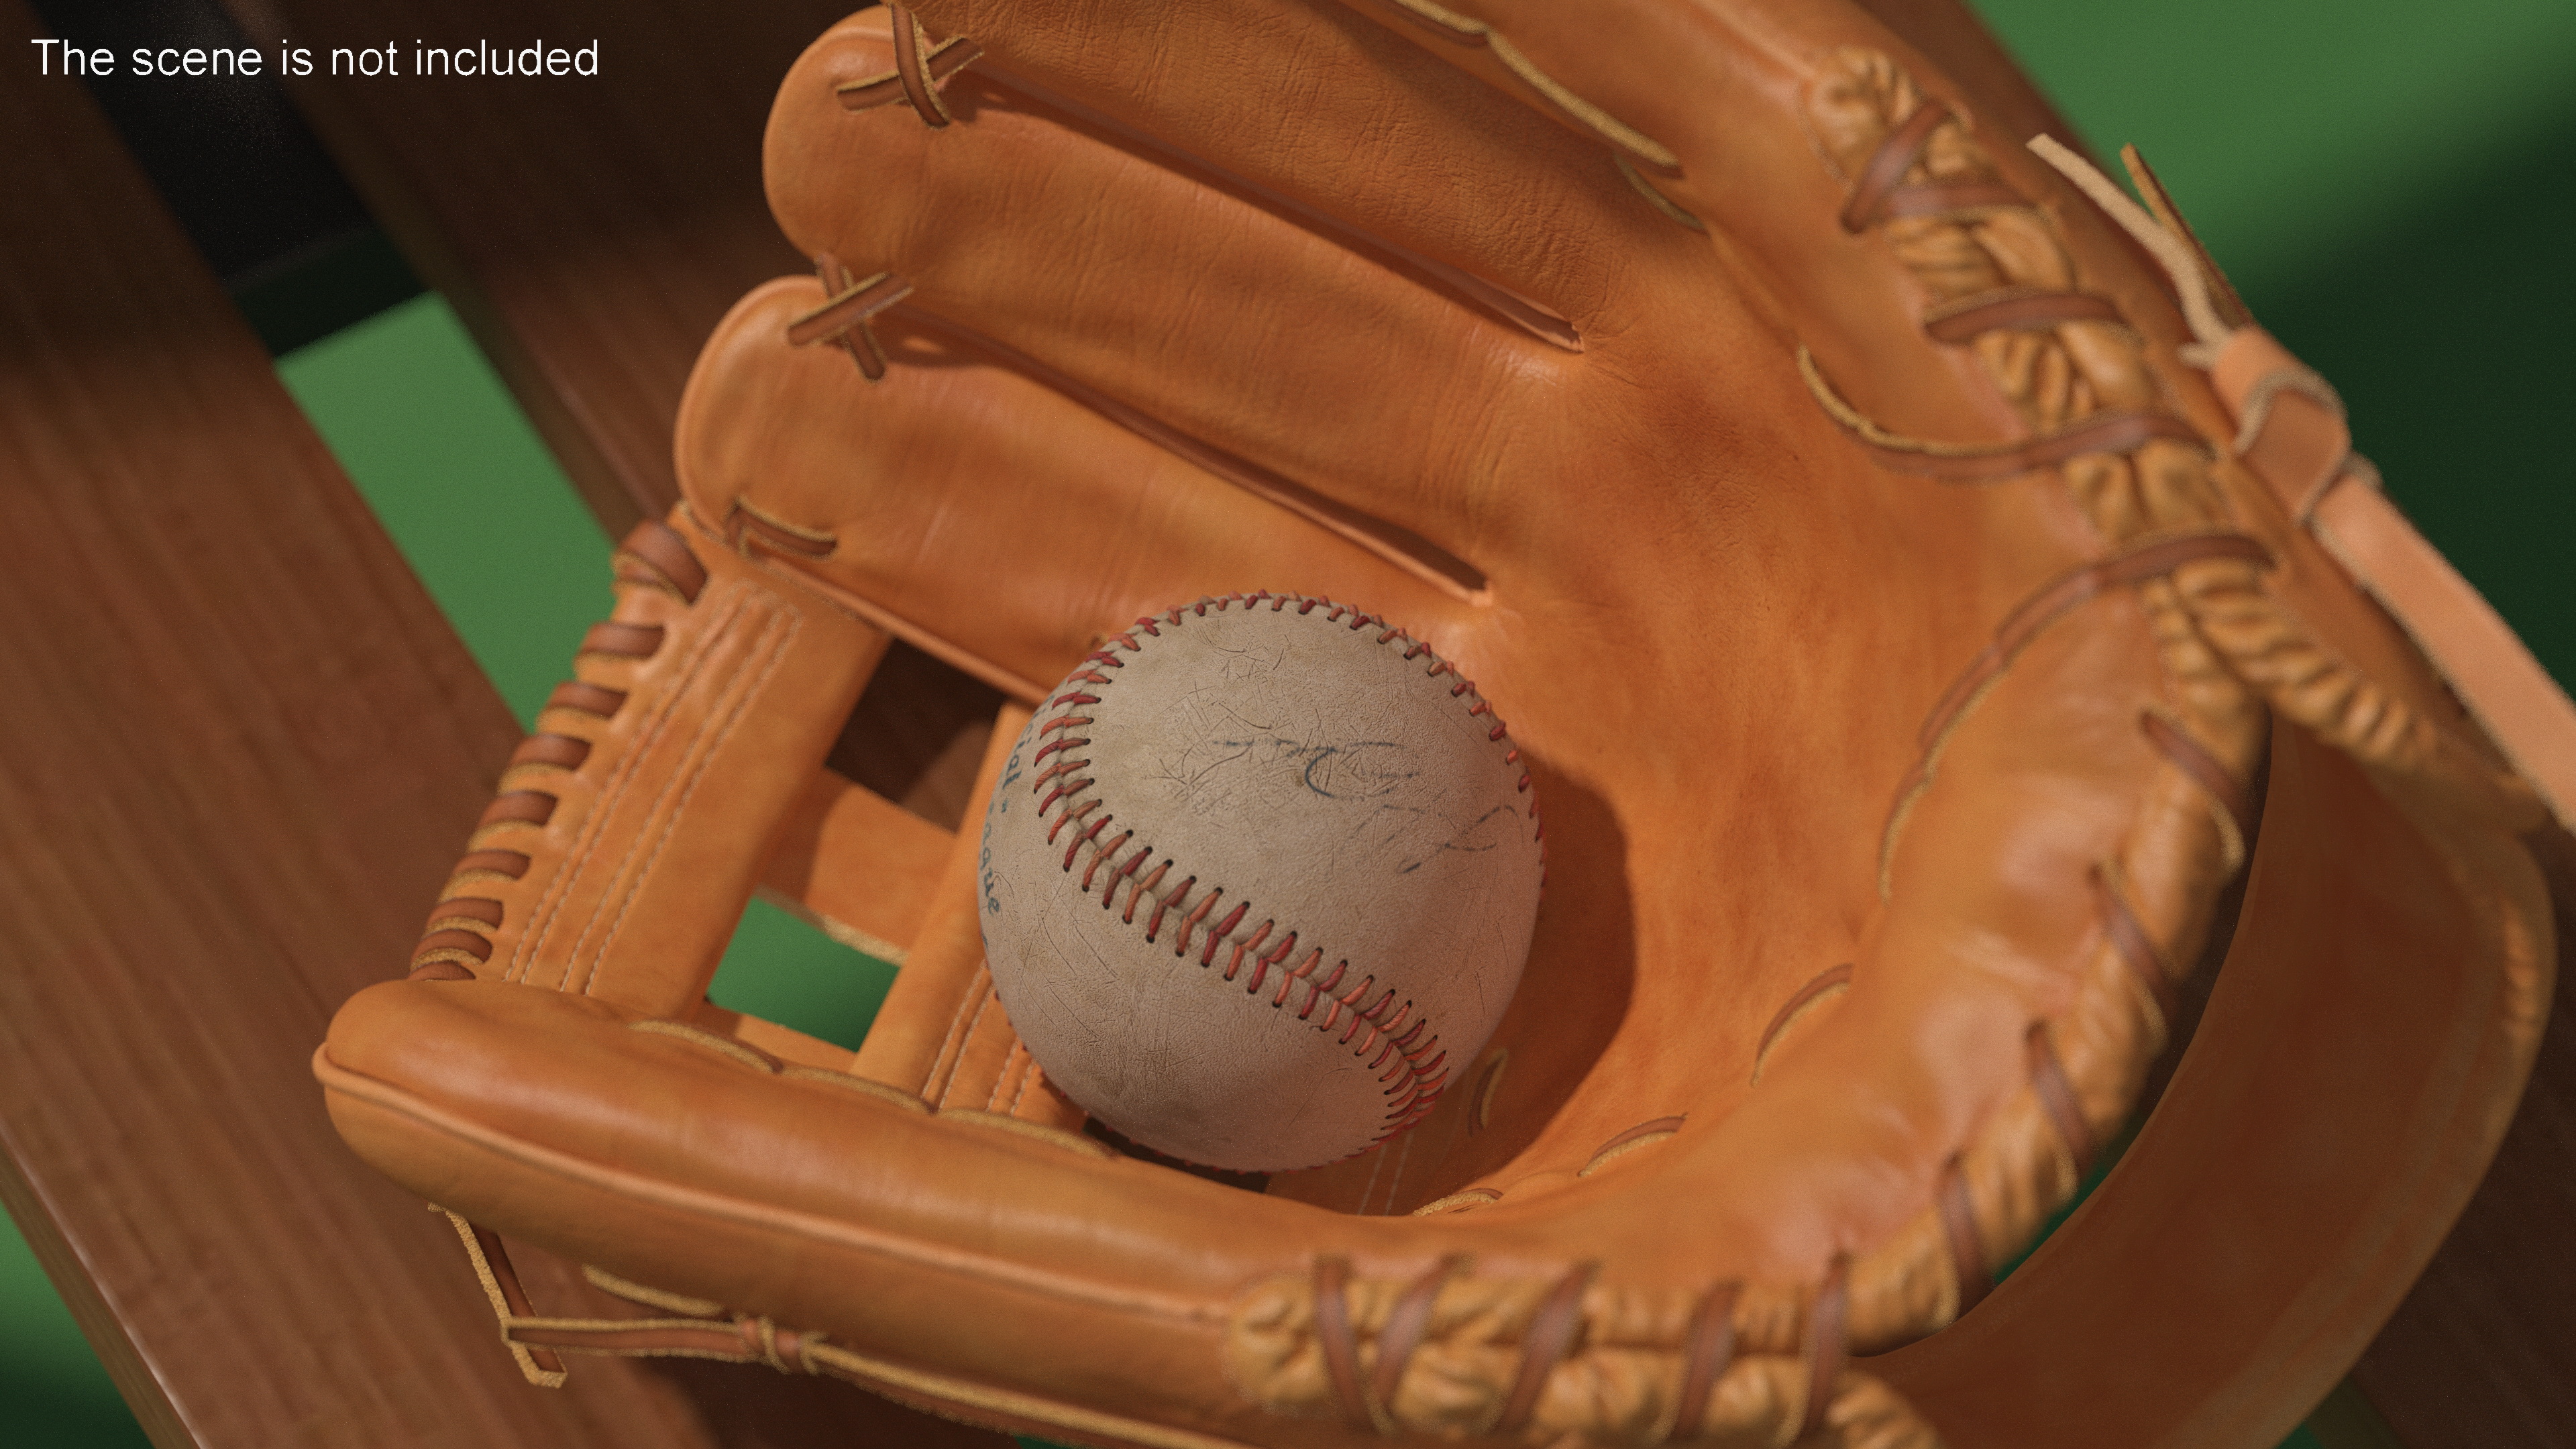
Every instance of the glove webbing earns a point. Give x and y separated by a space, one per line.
1806 1393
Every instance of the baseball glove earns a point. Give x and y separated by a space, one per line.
1932 616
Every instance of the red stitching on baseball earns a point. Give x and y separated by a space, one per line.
1182 947
1224 928
1412 1085
1234 962
1141 890
1164 903
1060 767
1402 1015
1315 990
1366 1018
1104 853
1085 837
1295 974
1339 1002
1079 811
1261 964
1059 793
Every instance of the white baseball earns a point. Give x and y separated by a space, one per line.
1255 877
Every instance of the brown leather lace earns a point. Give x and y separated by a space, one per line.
458 937
845 316
922 67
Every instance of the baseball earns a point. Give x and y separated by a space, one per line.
1257 874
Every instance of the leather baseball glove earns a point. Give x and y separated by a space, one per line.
1932 615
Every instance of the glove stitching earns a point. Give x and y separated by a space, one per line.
776 637
460 928
779 638
984 1000
960 1024
551 900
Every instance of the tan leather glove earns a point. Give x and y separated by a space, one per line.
1919 605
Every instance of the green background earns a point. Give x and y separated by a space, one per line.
2375 175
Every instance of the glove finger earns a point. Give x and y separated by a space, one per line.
1810 141
1324 108
1352 378
978 514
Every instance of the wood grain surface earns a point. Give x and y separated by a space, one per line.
590 231
239 749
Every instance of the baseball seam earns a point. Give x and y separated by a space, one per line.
1412 1068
